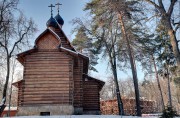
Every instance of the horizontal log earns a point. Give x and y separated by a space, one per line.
61 87
46 95
51 53
46 68
47 85
47 65
49 56
60 99
49 62
33 78
40 92
47 76
49 81
62 72
44 102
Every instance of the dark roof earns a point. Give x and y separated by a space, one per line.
17 83
100 82
52 23
59 19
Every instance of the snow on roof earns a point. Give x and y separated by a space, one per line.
69 50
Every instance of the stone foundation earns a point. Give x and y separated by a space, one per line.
78 111
54 110
92 112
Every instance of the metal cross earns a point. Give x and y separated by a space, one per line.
58 4
51 9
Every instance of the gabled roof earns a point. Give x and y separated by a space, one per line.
16 84
100 82
47 30
66 37
71 51
77 54
20 56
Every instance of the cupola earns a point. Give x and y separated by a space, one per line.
58 18
51 23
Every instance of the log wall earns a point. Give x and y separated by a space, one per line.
91 100
78 83
48 76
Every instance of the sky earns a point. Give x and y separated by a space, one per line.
39 11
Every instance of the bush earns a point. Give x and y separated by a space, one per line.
169 112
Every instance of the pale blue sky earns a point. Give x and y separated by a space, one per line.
38 10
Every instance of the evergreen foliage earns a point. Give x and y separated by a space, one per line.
169 112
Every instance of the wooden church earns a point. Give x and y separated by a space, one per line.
55 79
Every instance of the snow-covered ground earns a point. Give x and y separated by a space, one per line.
84 116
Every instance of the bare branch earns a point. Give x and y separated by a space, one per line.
2 45
170 10
154 4
161 5
20 39
177 26
160 8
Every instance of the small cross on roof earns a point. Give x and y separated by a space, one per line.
58 4
51 9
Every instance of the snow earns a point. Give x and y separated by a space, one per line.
12 108
84 116
69 50
87 116
2 102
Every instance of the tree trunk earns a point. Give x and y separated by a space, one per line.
178 94
5 86
10 93
174 44
166 21
114 70
169 89
120 103
158 82
133 68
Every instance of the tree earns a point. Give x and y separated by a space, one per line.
112 16
14 32
167 21
83 44
160 47
124 11
105 41
152 46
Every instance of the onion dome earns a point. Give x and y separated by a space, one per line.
59 19
51 23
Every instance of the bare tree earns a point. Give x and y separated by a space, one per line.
14 32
